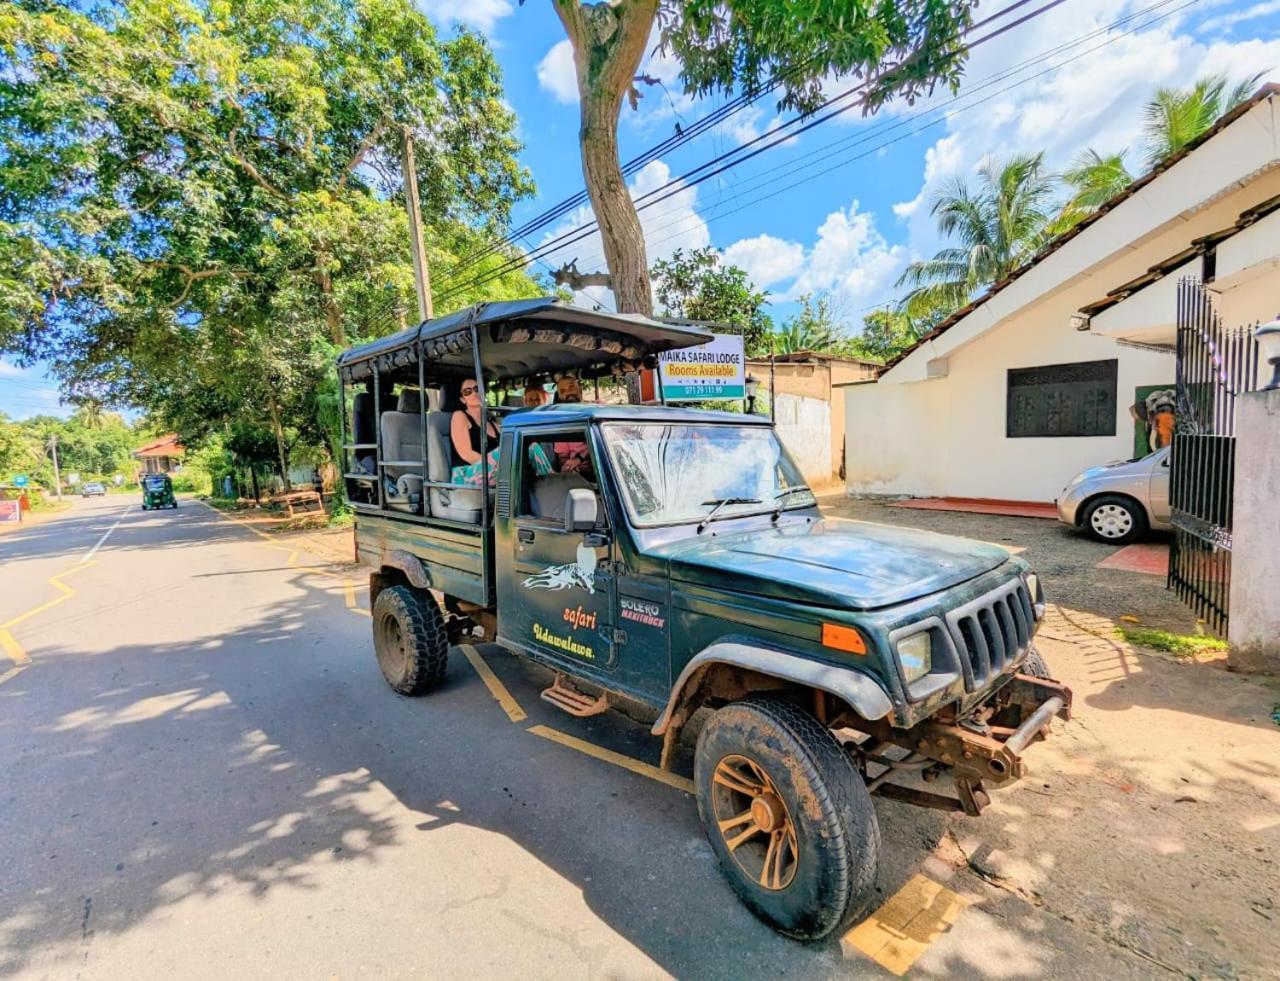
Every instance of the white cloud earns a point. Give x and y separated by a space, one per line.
557 74
1225 22
481 14
1094 101
11 370
849 260
766 259
672 224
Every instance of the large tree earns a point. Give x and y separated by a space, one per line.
996 228
698 286
902 48
196 195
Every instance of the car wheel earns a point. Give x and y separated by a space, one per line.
1115 519
1036 666
410 640
788 817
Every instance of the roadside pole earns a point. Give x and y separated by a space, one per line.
57 476
421 274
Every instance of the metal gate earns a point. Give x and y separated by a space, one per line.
1215 365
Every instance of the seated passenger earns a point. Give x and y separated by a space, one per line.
464 432
571 456
534 396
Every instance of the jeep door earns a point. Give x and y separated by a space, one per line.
556 588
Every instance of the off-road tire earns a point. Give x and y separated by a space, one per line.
1036 666
1124 529
833 883
416 662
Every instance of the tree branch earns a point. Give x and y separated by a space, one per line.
365 146
568 275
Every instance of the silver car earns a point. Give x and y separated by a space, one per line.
1118 502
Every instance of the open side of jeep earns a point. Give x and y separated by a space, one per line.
686 567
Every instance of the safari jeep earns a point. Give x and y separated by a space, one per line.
687 568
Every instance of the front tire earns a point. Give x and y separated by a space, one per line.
1036 666
409 639
787 816
1115 519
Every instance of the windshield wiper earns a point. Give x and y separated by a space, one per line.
783 494
721 502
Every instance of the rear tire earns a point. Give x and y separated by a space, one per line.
1114 519
409 639
809 868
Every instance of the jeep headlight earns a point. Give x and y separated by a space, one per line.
915 654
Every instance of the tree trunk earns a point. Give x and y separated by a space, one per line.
280 451
608 42
332 312
257 494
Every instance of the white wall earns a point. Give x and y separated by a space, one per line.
804 426
908 434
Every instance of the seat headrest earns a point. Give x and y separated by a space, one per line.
410 401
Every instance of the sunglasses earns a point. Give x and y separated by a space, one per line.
470 390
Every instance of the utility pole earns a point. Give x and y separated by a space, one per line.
421 275
57 476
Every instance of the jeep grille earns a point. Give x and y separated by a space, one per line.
992 632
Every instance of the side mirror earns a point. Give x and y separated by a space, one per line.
580 510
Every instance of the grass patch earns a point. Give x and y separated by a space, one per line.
1184 645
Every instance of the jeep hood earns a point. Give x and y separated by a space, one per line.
850 564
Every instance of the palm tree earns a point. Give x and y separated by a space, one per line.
1093 179
1175 117
997 229
813 328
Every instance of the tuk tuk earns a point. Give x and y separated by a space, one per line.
682 564
157 492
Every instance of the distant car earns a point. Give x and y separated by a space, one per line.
93 489
1118 502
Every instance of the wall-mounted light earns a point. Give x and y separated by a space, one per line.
753 386
1080 321
1268 336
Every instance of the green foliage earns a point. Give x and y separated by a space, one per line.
695 285
96 448
886 333
997 226
905 47
1092 180
1175 117
198 196
1184 645
814 327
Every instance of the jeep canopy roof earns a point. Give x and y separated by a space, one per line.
519 339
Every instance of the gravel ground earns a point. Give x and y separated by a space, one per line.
1065 559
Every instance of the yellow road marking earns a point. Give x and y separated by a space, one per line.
896 934
9 644
57 583
496 688
617 759
349 596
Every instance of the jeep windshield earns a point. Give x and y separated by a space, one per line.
681 473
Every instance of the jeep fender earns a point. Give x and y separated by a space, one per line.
860 691
408 565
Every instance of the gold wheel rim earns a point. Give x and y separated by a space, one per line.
754 822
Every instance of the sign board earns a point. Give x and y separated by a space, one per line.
715 371
10 510
20 480
73 479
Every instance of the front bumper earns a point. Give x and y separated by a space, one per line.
1069 507
981 749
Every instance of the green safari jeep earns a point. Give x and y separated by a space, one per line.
681 563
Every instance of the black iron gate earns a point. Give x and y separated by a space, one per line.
1215 365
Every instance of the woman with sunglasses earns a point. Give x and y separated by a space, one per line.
464 432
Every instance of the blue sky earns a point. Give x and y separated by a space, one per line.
843 208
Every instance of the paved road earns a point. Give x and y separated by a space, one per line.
204 775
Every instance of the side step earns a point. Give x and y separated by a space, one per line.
564 696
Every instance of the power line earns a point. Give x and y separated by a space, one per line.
739 155
858 139
685 135
576 234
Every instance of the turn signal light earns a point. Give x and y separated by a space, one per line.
843 638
